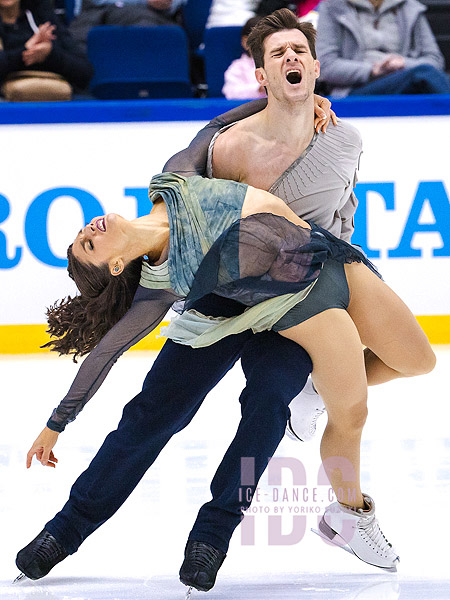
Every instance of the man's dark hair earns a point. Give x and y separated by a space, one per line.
278 21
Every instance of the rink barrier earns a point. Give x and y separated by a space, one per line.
128 111
27 339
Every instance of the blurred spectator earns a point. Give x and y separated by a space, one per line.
240 80
32 37
370 47
302 8
229 13
145 13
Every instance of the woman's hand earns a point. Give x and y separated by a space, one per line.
37 54
42 448
45 33
40 44
323 112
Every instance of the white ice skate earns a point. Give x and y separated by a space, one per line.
357 531
306 408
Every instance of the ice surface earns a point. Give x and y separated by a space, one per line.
137 554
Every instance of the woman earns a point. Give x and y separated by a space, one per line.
33 37
214 235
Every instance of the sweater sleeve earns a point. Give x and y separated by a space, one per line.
425 42
334 69
147 311
10 61
192 160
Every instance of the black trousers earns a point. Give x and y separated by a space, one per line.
276 370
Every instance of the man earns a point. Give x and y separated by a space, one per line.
373 47
146 13
275 148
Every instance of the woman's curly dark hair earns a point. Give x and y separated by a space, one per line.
79 323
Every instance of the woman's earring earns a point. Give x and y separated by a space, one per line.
116 269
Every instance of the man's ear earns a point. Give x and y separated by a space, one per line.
116 267
260 75
317 68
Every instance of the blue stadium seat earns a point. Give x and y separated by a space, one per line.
139 62
195 14
222 46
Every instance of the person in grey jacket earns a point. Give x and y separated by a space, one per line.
371 47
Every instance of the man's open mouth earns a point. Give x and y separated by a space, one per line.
293 77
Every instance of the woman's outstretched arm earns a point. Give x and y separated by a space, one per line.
147 311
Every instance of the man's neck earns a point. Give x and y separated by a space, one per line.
291 125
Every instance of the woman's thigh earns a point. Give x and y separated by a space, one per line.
385 324
333 343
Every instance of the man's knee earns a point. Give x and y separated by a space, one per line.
423 72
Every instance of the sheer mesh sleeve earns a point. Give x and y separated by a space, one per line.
192 160
147 311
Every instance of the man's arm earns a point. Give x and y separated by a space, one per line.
425 42
192 160
347 214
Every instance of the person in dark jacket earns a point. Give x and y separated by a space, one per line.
32 37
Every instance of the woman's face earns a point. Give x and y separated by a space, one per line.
102 241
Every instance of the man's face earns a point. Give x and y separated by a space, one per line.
289 71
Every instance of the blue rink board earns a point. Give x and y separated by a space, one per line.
126 111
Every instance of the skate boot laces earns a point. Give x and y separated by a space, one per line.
48 549
204 556
371 533
313 425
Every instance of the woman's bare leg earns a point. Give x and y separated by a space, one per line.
396 344
332 341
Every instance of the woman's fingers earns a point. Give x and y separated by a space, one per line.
30 455
44 455
323 114
42 448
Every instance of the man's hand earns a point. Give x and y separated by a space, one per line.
392 63
42 448
323 112
160 4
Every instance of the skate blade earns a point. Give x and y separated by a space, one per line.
20 578
347 548
189 592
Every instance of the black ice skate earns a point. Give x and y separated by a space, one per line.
40 556
200 565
